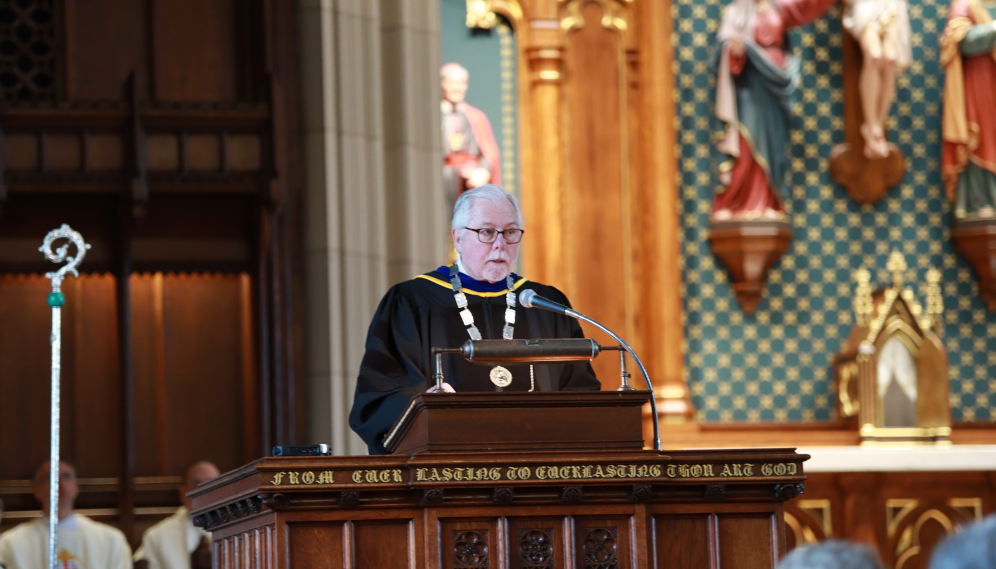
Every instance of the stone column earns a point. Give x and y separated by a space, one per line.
370 121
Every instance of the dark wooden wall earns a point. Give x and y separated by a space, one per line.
165 131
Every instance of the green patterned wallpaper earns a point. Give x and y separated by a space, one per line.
775 365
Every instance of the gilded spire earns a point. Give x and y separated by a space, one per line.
863 297
935 302
897 266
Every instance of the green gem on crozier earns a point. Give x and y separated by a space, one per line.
56 299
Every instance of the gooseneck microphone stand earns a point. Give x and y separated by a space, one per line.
530 299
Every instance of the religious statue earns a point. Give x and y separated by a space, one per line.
968 156
882 27
757 79
471 156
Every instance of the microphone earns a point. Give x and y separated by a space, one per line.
530 299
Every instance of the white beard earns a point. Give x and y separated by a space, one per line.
494 273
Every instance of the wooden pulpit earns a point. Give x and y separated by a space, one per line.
559 480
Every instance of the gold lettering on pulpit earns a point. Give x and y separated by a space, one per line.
308 477
513 473
327 477
780 469
292 477
387 476
706 470
277 478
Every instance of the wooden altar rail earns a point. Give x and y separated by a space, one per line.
517 509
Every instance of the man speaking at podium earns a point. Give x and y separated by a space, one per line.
473 299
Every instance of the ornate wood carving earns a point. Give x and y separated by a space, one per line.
29 50
715 491
504 495
808 521
572 494
976 241
535 548
748 249
433 496
867 180
788 491
915 526
470 549
274 501
600 548
349 499
642 492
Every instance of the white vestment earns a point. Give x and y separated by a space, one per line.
168 544
83 544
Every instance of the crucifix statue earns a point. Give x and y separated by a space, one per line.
876 52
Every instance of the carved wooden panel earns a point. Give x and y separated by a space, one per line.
536 543
602 543
916 526
468 544
904 514
29 48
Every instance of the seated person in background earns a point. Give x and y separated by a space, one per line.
974 547
473 299
832 554
175 543
83 543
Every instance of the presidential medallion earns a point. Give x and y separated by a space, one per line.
501 376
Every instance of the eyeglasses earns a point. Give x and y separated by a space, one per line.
486 235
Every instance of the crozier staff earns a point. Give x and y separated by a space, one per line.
473 299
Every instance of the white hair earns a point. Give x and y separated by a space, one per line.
831 554
490 192
452 69
972 548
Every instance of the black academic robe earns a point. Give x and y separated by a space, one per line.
420 314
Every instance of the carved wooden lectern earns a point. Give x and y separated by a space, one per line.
569 487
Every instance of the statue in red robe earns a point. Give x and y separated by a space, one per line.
756 83
968 155
470 151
